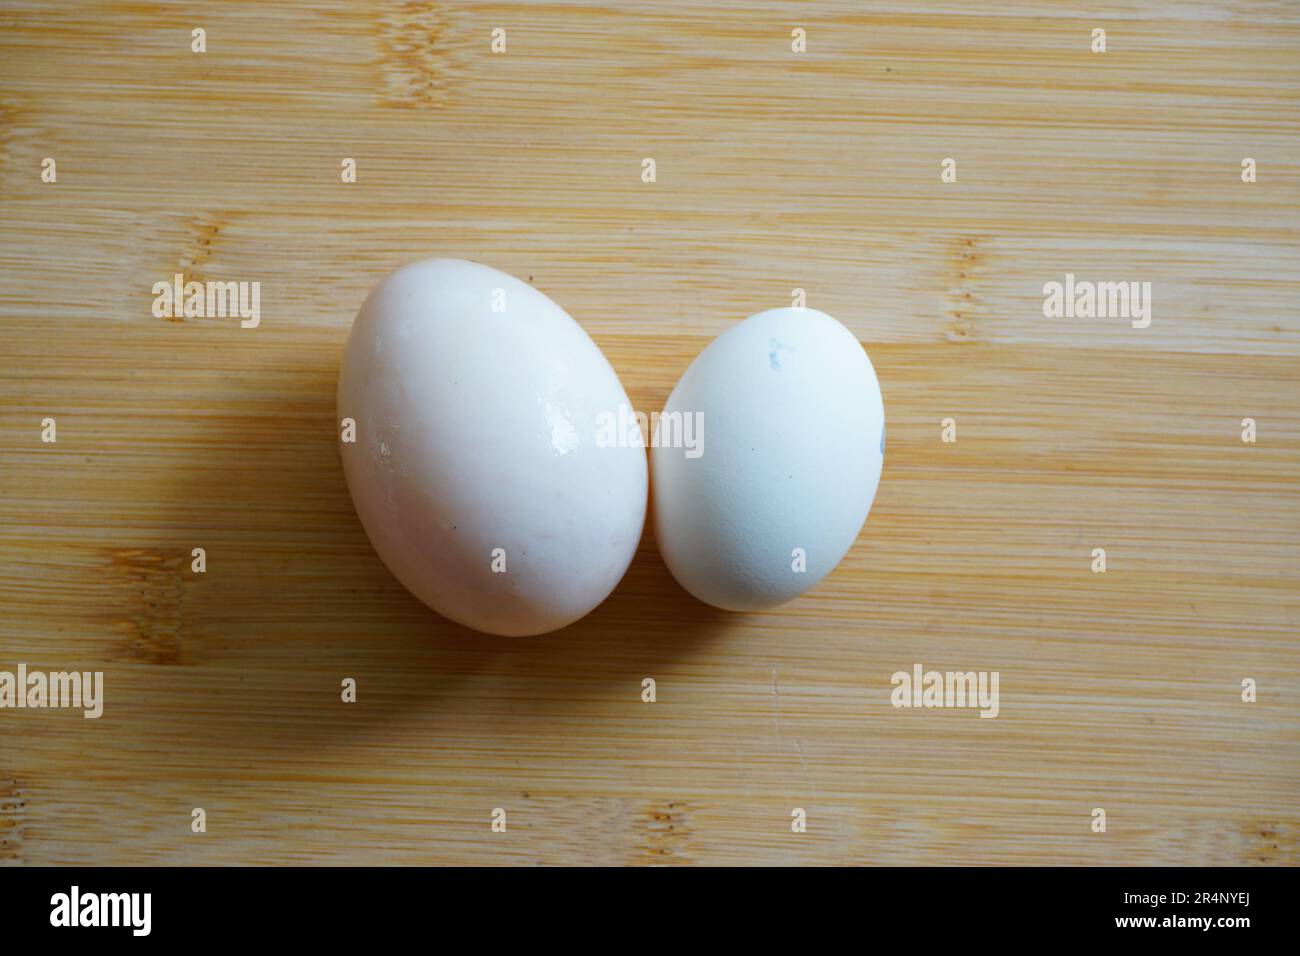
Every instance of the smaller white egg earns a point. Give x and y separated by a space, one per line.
788 428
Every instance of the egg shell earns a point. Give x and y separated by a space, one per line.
789 457
476 401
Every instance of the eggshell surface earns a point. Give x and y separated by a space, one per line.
475 468
789 455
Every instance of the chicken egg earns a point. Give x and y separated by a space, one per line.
766 459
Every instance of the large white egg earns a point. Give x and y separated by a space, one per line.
475 470
788 425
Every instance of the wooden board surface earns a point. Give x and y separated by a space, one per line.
775 170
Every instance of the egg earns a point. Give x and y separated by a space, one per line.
474 465
766 459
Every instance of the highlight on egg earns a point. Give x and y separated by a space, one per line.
773 497
473 458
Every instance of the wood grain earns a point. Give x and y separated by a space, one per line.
775 170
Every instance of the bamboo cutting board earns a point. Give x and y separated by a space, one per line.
775 170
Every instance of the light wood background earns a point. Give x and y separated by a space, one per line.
774 171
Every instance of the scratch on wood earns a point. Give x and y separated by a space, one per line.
8 120
13 811
151 583
967 257
1270 842
416 69
203 233
666 832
